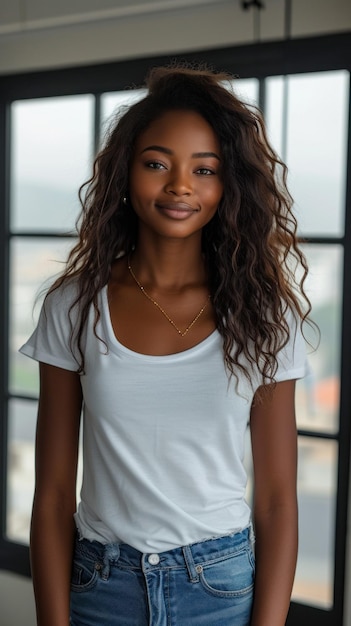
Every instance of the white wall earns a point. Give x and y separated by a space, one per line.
42 34
38 34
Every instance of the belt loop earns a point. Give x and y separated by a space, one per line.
189 561
111 554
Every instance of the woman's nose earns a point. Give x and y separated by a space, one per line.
179 183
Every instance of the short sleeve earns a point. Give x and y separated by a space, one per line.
292 359
51 340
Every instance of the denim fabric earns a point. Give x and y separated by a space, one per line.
204 584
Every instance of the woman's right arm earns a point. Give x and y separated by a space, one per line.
52 527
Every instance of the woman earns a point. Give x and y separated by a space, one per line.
176 322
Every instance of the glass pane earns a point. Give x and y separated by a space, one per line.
52 147
246 89
274 113
32 261
317 478
318 393
20 479
111 104
22 418
298 116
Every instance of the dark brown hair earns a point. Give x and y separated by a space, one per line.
256 270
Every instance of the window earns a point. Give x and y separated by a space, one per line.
299 109
51 149
50 129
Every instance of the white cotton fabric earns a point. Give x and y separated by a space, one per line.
163 436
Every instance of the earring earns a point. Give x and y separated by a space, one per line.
124 200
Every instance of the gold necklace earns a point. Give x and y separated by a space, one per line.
143 290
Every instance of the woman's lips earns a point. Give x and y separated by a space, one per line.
176 210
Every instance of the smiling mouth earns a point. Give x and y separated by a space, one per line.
176 209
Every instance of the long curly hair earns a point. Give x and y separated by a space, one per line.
256 270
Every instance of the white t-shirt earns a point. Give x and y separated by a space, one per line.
163 436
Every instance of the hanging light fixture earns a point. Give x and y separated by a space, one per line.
247 4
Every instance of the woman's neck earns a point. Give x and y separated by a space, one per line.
171 265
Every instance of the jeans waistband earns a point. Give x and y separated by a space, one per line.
190 555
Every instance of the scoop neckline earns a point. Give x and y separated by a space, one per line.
114 341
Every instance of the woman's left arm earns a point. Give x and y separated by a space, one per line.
274 449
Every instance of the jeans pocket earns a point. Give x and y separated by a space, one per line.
229 577
85 573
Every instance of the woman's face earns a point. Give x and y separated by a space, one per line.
175 181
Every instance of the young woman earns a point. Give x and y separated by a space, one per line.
176 323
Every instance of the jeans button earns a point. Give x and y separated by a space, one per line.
154 559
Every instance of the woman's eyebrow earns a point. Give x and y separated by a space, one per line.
158 149
203 155
196 155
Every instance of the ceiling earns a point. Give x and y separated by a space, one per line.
27 15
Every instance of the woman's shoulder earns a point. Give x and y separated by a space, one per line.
62 296
51 340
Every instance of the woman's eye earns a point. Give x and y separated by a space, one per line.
205 171
155 165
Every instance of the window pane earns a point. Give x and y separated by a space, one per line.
22 418
317 478
111 104
246 89
318 393
313 143
33 261
52 147
274 113
20 478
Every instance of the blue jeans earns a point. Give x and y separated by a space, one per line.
204 584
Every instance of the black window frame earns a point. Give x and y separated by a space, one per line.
259 60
